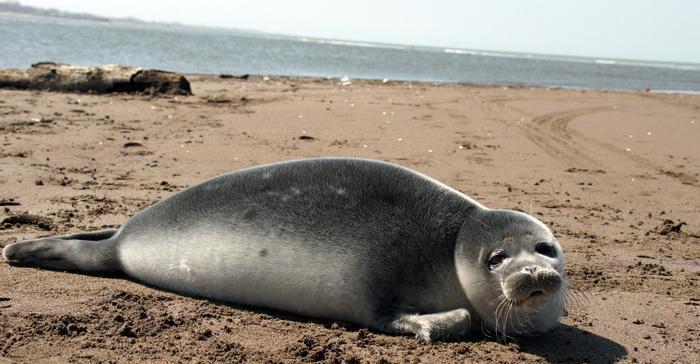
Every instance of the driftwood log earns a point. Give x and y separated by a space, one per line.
105 79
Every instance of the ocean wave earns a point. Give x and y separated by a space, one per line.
677 66
605 61
554 58
684 92
350 43
485 53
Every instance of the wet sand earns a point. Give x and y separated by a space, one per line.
615 175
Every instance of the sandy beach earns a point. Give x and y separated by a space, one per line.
616 175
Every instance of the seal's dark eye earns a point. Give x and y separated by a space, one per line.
546 249
496 259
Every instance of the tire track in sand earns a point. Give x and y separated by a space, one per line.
552 134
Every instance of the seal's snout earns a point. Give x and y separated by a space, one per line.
532 284
547 279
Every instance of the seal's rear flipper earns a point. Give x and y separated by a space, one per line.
83 252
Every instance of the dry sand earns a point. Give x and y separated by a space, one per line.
615 175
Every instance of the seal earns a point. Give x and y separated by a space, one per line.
354 240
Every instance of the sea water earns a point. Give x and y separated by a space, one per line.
27 39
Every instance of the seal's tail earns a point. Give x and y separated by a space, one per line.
84 252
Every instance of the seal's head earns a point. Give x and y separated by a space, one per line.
512 271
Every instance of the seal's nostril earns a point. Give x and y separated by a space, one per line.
530 269
536 293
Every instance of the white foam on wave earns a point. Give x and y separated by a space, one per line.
605 61
351 43
617 62
486 53
675 92
677 66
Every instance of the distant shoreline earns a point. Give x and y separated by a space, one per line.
12 7
74 17
378 81
375 81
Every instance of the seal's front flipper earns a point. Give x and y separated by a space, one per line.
448 325
84 252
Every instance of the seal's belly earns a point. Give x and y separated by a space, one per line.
290 275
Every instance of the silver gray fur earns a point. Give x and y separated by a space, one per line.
366 242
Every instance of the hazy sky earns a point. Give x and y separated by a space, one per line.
667 30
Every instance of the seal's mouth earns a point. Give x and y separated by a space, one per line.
532 300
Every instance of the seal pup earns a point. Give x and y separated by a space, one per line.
361 241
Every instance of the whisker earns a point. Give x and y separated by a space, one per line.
510 308
499 313
497 298
484 331
520 323
574 297
496 316
505 331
